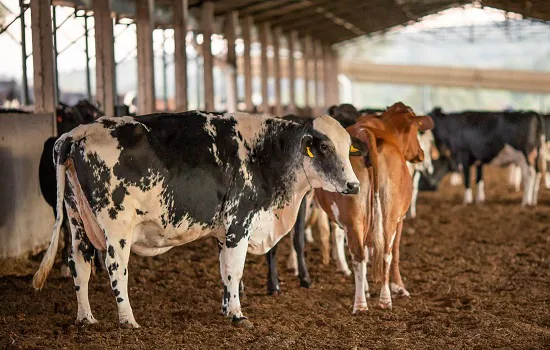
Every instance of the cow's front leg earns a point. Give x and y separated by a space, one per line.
232 259
116 261
298 241
340 243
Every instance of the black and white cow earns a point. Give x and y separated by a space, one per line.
499 138
149 183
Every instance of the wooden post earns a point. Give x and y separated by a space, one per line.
264 42
180 53
247 61
231 22
145 57
207 26
327 72
335 72
105 57
45 99
277 70
306 54
292 43
316 66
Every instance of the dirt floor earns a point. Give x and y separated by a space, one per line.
479 278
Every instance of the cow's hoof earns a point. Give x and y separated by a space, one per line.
85 321
65 271
275 292
385 305
242 322
360 309
129 325
399 291
367 295
305 282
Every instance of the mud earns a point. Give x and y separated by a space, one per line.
479 278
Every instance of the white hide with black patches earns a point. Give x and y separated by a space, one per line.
129 167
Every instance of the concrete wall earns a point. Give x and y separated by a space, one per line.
26 220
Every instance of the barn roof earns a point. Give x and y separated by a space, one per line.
331 21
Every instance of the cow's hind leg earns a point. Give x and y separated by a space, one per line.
272 273
480 185
468 197
397 286
80 265
67 242
232 259
116 261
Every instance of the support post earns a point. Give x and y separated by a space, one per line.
335 72
180 53
231 22
277 70
26 99
306 54
247 62
327 72
264 42
207 24
55 52
292 43
145 57
105 57
318 75
45 99
164 75
87 53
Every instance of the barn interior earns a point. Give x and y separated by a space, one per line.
479 275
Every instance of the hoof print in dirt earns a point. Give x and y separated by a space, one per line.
242 322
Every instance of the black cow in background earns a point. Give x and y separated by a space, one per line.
498 138
68 118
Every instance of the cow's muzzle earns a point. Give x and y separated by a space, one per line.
351 188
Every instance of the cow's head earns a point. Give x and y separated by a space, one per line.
407 125
326 147
345 113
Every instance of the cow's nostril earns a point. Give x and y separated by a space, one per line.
352 188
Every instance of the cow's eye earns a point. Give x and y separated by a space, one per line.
324 147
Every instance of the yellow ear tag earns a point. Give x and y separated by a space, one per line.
353 149
308 150
420 123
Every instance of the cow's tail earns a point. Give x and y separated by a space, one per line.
41 275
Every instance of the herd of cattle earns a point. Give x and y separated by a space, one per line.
146 184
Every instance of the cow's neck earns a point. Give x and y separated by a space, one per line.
283 217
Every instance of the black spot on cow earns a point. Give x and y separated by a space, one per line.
122 243
117 292
234 296
94 177
225 302
114 283
111 268
139 212
108 123
125 271
72 267
111 251
118 196
229 277
119 300
77 288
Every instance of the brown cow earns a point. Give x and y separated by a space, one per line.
373 218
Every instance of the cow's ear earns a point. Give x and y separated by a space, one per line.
307 142
357 148
424 122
